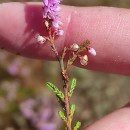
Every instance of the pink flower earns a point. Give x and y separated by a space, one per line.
40 39
92 51
75 47
59 32
51 14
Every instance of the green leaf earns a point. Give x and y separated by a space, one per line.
72 110
62 115
77 126
73 85
61 102
54 89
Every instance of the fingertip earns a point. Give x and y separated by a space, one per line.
118 120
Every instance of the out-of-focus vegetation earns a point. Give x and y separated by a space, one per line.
26 103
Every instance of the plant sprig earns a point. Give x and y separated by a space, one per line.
70 54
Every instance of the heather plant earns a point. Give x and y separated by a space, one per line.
53 25
98 97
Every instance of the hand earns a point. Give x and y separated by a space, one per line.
108 30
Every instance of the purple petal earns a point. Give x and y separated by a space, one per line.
60 32
55 24
51 11
45 2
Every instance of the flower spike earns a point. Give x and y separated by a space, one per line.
51 11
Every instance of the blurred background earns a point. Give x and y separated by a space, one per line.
26 103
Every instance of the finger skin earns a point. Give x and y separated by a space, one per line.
118 120
108 30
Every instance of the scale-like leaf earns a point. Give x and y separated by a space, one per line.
73 85
62 115
55 90
72 110
77 126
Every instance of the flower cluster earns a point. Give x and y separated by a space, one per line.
77 49
51 12
51 18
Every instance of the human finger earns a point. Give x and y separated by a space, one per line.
118 120
108 30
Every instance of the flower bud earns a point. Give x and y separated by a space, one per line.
40 39
47 24
92 51
84 60
75 47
